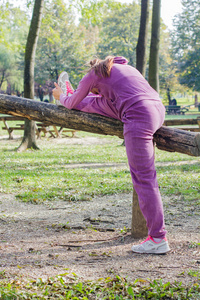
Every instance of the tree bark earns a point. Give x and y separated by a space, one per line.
154 48
143 37
166 138
139 224
29 139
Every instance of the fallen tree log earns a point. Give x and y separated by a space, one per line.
168 139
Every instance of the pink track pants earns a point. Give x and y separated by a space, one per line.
141 121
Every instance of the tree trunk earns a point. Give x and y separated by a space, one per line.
139 229
2 78
166 138
142 39
29 140
196 100
169 96
139 224
154 48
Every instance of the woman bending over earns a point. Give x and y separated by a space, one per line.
114 89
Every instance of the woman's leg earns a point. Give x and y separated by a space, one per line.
98 105
139 127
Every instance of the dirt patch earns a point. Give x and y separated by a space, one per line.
88 238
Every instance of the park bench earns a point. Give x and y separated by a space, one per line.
175 110
182 123
46 128
40 127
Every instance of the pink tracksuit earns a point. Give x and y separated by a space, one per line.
127 96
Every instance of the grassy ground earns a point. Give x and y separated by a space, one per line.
44 175
108 288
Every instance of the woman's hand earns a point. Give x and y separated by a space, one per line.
57 91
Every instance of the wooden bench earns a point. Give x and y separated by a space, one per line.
183 122
46 126
172 109
40 127
175 110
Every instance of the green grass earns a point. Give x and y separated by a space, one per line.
37 176
181 181
188 115
68 287
45 175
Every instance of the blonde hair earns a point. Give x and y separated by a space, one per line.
102 67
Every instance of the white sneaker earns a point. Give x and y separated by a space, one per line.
152 247
64 83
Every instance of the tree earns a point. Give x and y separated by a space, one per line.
154 48
143 38
62 44
29 140
119 32
190 69
13 31
6 63
185 42
93 11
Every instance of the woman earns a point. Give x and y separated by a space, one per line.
124 94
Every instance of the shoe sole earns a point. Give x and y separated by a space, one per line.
161 251
61 81
151 252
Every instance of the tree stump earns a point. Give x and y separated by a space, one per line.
138 226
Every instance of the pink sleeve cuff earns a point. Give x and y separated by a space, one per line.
120 60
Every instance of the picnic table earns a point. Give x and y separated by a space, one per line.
194 124
40 127
175 110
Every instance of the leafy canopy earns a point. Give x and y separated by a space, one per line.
186 43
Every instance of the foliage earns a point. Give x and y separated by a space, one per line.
67 286
66 43
119 32
73 32
190 69
167 70
6 64
13 32
93 12
185 43
61 45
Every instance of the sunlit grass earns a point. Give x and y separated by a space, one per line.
45 175
67 286
48 174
